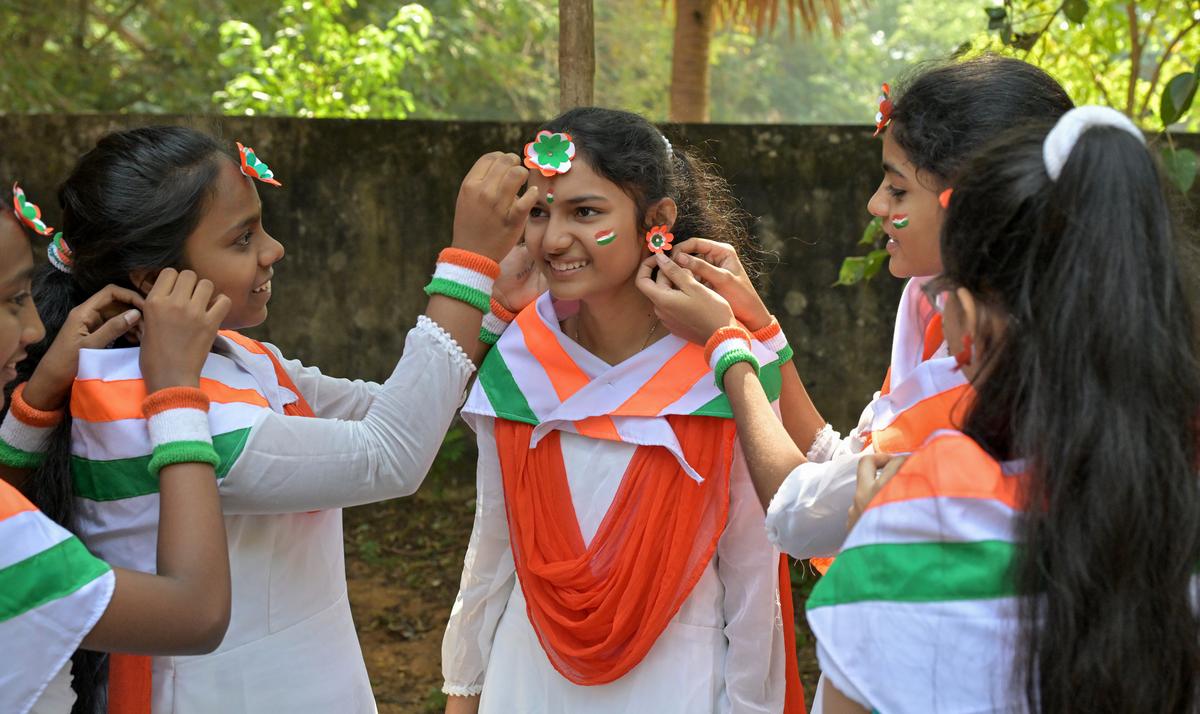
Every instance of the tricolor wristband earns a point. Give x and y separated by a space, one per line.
727 347
494 323
25 432
464 276
773 339
178 421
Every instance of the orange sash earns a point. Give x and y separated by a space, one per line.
129 681
598 609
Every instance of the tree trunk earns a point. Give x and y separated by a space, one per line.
576 53
694 24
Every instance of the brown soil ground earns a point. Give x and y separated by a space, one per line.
403 560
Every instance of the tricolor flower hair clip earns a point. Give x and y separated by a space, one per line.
59 253
255 167
27 212
550 153
883 117
658 239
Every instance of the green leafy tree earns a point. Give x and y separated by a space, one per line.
318 66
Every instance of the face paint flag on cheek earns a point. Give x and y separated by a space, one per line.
900 220
606 236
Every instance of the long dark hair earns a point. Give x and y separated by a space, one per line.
1095 382
130 203
947 111
628 150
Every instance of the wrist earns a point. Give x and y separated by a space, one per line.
39 394
465 276
485 250
177 419
728 346
161 382
757 319
25 432
495 321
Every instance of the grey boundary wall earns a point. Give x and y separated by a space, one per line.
367 204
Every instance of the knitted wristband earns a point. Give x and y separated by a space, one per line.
494 323
773 339
464 276
727 347
24 432
178 422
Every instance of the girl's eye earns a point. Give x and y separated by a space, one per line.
244 239
537 212
896 192
585 212
19 299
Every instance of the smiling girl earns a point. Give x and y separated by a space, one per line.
56 595
293 446
618 560
807 482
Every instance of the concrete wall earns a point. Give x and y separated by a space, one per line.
366 205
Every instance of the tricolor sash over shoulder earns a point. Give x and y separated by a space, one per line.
919 612
598 608
538 376
923 391
52 592
110 453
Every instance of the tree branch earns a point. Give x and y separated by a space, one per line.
1135 56
112 22
1166 55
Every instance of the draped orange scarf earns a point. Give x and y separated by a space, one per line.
129 681
597 609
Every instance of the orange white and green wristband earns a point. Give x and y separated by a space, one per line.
25 432
464 276
727 347
177 418
495 321
773 339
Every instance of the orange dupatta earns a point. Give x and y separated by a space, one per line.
598 609
130 685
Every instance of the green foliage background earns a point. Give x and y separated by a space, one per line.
497 59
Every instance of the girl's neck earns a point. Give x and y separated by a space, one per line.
615 326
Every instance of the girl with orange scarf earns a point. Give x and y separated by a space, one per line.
618 560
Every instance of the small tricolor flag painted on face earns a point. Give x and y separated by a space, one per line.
900 220
605 237
549 197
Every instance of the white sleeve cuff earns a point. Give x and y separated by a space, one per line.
426 326
824 444
462 690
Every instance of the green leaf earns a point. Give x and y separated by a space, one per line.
1075 10
997 17
875 261
873 232
852 270
1177 97
1180 166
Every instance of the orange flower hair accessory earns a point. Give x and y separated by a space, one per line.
658 239
884 116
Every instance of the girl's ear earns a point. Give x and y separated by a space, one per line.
662 213
143 279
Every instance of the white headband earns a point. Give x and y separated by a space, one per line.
1061 139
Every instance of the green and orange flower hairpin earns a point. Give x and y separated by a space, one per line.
883 117
28 212
550 152
255 167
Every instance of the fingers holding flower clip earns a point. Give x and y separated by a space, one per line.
688 308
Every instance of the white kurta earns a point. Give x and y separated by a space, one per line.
722 652
291 644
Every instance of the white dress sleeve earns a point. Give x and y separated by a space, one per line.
807 515
488 577
748 567
292 464
330 397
